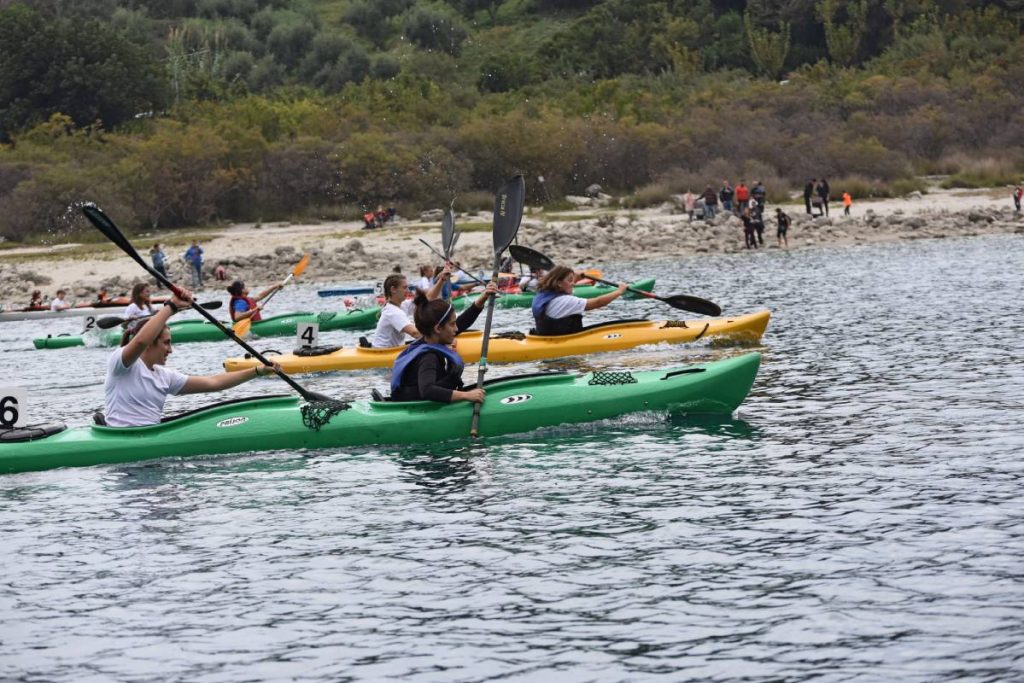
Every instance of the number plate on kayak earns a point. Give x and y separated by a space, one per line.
13 407
518 398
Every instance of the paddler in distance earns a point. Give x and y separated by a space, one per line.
138 382
243 306
430 368
556 310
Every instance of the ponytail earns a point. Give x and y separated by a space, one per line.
430 314
393 280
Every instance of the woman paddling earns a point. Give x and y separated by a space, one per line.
141 305
138 382
243 306
394 322
430 369
557 311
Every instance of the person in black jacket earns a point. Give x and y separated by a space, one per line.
430 369
823 192
808 193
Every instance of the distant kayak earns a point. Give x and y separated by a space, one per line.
77 311
346 291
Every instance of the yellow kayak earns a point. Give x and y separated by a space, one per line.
613 336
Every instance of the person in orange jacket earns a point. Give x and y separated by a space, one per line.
847 203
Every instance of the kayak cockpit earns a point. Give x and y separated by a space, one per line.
228 406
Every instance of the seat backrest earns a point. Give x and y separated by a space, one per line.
377 396
99 419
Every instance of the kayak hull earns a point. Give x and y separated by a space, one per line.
598 339
188 331
513 405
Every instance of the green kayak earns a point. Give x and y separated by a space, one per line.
525 299
185 331
513 405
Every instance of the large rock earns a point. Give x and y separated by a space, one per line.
431 215
593 191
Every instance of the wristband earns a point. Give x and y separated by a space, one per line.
173 306
256 369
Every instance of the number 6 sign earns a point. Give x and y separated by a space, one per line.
13 407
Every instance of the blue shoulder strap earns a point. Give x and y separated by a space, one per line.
541 301
414 351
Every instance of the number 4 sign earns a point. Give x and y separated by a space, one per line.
13 407
308 334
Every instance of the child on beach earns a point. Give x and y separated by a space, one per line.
784 222
1017 194
847 203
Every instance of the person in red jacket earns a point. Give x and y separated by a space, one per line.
742 197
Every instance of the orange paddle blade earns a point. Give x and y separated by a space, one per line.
301 265
242 327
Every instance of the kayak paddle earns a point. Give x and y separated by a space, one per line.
508 214
112 233
110 321
242 327
683 302
448 232
440 255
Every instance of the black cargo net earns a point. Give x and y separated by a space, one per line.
316 414
612 378
309 351
512 334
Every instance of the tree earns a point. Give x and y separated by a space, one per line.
767 49
433 29
843 40
77 67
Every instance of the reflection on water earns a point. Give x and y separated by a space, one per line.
858 518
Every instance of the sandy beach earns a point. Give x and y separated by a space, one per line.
590 235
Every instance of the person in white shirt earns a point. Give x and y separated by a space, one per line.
57 303
426 278
141 305
138 382
394 323
529 283
556 310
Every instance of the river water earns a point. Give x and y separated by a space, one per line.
860 518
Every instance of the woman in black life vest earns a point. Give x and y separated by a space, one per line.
556 310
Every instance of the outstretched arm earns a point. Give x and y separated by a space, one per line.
224 380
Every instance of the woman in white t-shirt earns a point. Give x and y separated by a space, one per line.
138 382
557 311
141 305
58 303
426 277
394 323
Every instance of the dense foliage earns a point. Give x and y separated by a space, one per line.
178 112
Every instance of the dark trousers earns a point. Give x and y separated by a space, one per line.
807 203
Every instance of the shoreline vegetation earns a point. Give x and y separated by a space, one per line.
186 113
596 233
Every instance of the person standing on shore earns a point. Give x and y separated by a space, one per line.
742 197
194 257
809 189
1017 194
726 194
689 203
759 195
710 202
748 229
784 222
823 192
159 258
847 203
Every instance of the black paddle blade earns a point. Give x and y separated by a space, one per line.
110 322
694 304
508 212
448 232
532 258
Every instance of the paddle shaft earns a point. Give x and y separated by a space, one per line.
469 275
484 343
628 289
107 227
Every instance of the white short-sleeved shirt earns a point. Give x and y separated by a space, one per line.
564 306
58 304
425 283
135 394
389 328
133 311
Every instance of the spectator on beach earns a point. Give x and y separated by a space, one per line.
759 195
1017 194
159 258
726 194
220 273
689 203
742 197
748 229
809 194
823 192
759 227
58 303
710 202
369 221
784 222
847 203
194 257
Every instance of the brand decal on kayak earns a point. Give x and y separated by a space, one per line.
232 421
613 336
518 398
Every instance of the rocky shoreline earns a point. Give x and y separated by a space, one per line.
609 235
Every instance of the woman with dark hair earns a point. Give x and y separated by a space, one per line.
556 310
430 369
138 383
243 306
140 306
